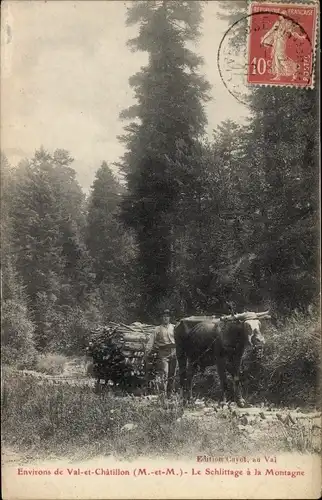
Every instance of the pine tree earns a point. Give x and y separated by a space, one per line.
17 329
169 118
214 224
51 259
111 246
287 130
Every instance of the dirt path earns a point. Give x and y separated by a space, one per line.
251 415
72 375
256 423
252 420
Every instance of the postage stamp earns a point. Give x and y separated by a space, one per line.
281 44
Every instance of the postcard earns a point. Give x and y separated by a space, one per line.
160 246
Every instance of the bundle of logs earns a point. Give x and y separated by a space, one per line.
131 339
118 353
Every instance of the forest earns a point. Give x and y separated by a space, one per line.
196 224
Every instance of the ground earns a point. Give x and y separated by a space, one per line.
47 416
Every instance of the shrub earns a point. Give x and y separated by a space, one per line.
289 371
17 335
51 364
303 438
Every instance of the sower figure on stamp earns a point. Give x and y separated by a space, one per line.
162 342
277 37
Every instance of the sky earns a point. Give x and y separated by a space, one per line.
65 71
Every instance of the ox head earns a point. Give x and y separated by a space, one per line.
255 337
251 322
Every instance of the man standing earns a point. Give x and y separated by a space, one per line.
162 342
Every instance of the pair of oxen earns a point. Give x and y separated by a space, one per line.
207 341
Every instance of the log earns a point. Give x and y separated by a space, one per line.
199 319
134 327
137 338
133 354
133 335
130 340
248 315
128 333
132 330
134 346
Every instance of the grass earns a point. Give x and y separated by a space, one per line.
43 418
50 364
302 438
289 372
46 419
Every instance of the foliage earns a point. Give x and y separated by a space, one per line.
231 223
291 367
46 263
112 248
288 201
50 364
169 117
17 335
17 328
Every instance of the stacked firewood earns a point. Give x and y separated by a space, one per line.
131 339
118 352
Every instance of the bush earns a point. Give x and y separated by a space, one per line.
17 335
51 364
289 371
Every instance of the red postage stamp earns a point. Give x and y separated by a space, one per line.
281 43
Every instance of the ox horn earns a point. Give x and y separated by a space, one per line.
264 315
259 314
246 315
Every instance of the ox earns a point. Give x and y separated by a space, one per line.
202 342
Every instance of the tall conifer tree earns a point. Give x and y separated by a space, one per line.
47 220
17 329
168 119
111 246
